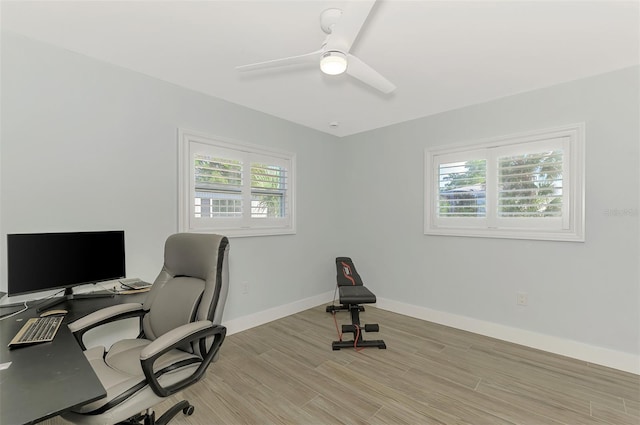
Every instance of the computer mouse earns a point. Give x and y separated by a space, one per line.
53 313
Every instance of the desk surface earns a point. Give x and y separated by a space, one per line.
47 379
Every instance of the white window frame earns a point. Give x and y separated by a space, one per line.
190 143
569 227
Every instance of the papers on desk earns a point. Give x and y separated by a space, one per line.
133 291
133 286
4 366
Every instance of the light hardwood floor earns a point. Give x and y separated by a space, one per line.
285 372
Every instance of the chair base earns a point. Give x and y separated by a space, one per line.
149 418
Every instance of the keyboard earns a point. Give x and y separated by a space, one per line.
38 329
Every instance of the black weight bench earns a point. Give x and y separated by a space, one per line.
353 294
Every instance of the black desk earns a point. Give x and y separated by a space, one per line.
50 378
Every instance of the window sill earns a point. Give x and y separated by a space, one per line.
246 233
545 235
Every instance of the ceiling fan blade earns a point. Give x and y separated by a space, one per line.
345 31
363 72
313 57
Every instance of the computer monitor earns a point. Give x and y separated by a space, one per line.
43 261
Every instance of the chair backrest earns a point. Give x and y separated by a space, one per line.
191 286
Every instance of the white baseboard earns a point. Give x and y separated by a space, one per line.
574 349
589 353
256 319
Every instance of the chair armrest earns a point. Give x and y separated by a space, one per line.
197 331
173 337
102 316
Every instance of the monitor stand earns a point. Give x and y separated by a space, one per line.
68 296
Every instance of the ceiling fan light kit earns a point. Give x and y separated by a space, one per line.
342 28
333 63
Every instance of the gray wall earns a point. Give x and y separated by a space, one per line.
589 292
87 146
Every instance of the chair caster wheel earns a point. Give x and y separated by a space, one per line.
188 410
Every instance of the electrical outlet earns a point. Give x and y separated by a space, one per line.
245 287
522 299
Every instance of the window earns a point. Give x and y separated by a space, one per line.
235 188
528 186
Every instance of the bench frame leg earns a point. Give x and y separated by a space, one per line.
341 307
358 341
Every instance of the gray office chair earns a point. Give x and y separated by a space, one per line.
180 335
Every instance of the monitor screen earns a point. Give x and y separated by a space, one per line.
42 261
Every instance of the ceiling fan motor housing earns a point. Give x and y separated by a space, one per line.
328 19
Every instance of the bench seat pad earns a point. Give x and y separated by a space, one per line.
356 295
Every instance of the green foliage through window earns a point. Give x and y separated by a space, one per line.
268 184
463 189
530 185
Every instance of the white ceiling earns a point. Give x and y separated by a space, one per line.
441 55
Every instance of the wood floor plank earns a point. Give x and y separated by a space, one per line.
276 410
285 372
499 366
446 371
612 416
398 415
325 411
632 408
330 388
543 403
578 372
485 406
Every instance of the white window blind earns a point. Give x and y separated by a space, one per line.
462 189
269 190
530 185
218 187
525 186
235 188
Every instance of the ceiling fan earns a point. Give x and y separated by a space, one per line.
342 28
